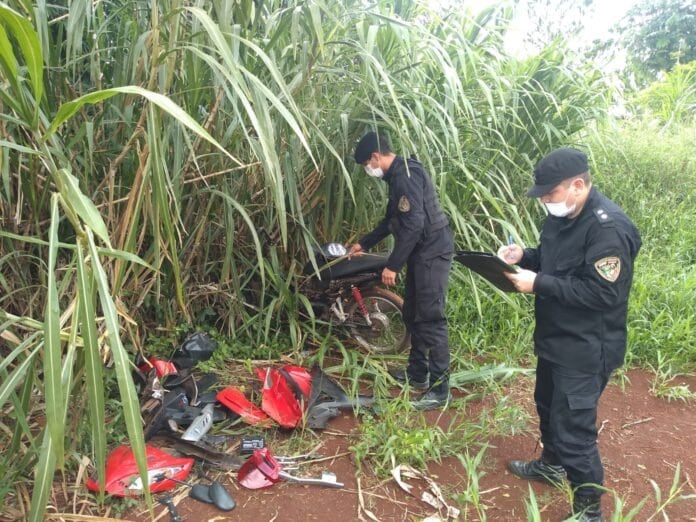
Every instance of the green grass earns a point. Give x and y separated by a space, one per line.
652 175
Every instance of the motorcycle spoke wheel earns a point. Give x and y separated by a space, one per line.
387 333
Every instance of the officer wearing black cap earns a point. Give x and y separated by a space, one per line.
581 275
422 242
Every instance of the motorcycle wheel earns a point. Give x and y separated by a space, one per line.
388 333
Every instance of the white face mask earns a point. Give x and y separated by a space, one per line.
560 209
373 173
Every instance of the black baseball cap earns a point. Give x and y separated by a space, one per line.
368 144
555 167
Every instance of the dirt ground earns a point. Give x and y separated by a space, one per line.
642 440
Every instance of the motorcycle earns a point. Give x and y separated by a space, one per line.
347 292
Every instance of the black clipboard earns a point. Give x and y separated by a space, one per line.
489 266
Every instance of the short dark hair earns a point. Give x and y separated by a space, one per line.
369 144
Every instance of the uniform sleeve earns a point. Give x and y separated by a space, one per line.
408 192
531 259
604 279
378 234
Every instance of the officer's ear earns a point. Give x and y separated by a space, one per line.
578 184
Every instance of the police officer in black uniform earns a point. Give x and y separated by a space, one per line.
423 242
581 275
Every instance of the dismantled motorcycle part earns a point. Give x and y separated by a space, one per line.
327 479
195 348
184 380
214 493
161 366
299 380
248 445
175 408
236 401
278 400
201 450
327 400
220 497
174 401
152 392
167 501
284 397
200 425
123 479
262 470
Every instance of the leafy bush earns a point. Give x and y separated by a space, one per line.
672 99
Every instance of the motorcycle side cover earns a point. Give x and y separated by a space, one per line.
162 367
300 377
278 400
123 479
236 401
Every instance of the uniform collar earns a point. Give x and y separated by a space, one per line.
592 198
393 168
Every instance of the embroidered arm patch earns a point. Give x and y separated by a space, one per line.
404 204
609 268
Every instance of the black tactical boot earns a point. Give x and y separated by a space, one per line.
432 400
538 470
586 508
402 377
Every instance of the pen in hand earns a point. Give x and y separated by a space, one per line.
508 252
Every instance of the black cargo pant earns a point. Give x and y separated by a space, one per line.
424 316
566 401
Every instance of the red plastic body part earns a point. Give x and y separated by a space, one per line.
260 471
123 479
162 367
301 376
277 399
235 400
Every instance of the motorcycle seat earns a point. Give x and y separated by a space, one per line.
347 267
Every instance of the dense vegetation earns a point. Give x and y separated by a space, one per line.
173 163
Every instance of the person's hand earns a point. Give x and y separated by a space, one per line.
523 280
511 254
388 277
355 250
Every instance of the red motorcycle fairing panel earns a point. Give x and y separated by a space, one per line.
301 376
123 479
236 401
162 367
278 401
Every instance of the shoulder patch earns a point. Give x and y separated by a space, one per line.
609 268
602 216
404 204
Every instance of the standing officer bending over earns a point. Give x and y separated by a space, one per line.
581 274
423 242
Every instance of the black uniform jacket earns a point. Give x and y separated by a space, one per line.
585 270
414 216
